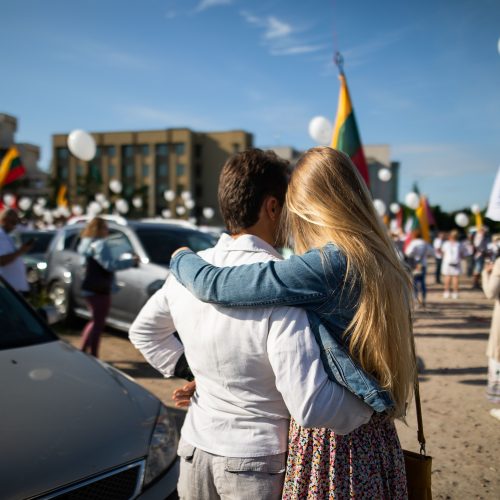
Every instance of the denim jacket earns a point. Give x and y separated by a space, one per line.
100 250
313 281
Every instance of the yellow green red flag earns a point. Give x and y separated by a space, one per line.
62 200
345 136
11 167
423 219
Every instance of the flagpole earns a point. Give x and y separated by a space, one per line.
339 61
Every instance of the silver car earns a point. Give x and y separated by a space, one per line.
72 426
153 241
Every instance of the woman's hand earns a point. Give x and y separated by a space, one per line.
182 396
488 267
180 249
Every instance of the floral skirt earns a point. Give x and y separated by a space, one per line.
367 463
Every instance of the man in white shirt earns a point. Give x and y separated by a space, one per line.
253 367
12 268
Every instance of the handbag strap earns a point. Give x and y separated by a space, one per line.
420 421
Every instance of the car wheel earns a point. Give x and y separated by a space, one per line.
59 296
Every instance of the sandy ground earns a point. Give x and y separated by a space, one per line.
462 438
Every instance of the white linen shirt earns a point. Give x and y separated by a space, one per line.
14 272
253 367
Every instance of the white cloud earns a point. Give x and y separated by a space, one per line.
280 37
276 28
207 4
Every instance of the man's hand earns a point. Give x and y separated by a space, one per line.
182 396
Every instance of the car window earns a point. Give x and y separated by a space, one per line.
119 244
41 241
20 325
161 243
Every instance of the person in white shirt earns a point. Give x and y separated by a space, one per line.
453 253
253 367
417 252
12 268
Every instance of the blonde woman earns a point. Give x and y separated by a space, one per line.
98 283
358 297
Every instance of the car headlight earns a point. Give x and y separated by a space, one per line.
163 446
41 266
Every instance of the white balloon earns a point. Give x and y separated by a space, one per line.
461 219
38 210
475 208
82 145
93 208
189 204
412 200
100 198
208 212
122 206
384 174
41 202
105 204
64 212
77 210
24 203
192 220
394 208
166 213
9 199
320 130
186 195
169 195
379 207
115 185
137 202
48 217
180 210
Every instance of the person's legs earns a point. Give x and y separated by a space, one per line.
99 307
438 270
454 284
447 280
422 285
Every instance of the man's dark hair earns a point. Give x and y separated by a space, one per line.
247 178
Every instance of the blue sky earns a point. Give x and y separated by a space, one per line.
424 76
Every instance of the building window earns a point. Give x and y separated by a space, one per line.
145 170
179 148
180 189
198 170
111 171
111 151
180 170
198 191
80 171
162 170
144 148
161 150
129 171
62 153
236 147
198 150
128 151
63 172
161 188
98 152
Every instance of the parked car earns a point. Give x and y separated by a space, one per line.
36 259
72 426
153 241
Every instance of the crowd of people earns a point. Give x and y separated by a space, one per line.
296 369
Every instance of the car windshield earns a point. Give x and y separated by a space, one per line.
160 243
20 325
41 241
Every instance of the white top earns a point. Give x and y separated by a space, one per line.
419 250
453 252
14 272
253 367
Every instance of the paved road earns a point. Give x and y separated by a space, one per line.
462 437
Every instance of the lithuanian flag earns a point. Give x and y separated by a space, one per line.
62 200
345 133
422 214
11 167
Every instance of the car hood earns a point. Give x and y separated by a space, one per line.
66 416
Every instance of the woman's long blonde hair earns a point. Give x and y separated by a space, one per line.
95 228
328 201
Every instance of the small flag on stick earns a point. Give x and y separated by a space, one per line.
11 167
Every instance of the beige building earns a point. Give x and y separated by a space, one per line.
35 182
148 163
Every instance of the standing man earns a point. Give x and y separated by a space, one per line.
253 367
12 268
